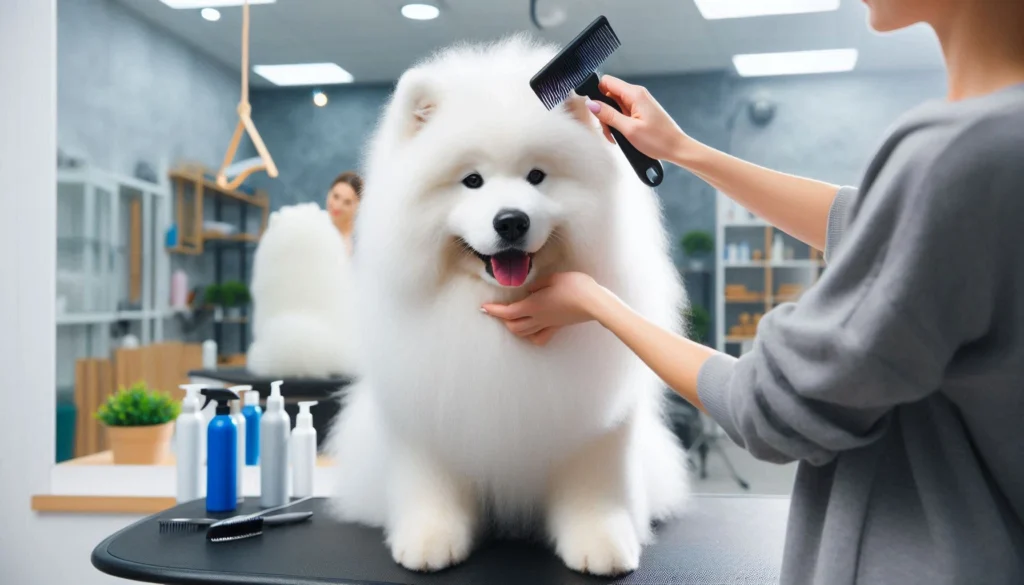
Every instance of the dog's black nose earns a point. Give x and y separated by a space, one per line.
511 224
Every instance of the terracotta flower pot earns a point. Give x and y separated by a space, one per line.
148 445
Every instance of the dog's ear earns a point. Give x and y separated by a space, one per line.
416 100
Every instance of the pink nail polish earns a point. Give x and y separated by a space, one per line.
593 106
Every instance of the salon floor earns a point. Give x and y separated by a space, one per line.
764 478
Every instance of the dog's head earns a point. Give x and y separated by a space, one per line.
472 174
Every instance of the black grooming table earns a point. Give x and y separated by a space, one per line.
721 539
324 390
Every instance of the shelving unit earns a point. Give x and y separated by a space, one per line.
750 287
111 263
194 189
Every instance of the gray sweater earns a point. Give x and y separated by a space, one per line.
897 380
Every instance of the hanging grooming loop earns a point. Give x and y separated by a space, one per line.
230 175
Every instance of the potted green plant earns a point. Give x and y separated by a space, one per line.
697 245
698 323
139 423
213 296
236 295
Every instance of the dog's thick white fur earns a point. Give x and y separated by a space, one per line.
459 426
302 297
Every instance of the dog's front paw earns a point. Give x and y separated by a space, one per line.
600 544
431 543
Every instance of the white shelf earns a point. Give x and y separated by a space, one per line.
733 225
745 224
97 318
797 263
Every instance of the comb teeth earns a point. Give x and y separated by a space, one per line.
236 528
573 64
173 525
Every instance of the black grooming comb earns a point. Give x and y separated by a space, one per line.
239 527
574 70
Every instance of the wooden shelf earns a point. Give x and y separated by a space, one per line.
217 237
738 339
258 199
745 300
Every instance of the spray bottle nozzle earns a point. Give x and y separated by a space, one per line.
222 396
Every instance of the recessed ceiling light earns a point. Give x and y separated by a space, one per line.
187 4
421 11
304 74
718 9
796 63
320 98
211 14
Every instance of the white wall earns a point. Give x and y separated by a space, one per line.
34 549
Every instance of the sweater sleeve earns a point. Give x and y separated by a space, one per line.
914 284
838 216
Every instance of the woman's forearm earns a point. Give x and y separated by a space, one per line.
796 205
675 359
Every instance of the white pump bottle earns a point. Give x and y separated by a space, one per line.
189 430
303 452
275 427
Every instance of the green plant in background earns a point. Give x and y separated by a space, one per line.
235 293
698 323
697 242
214 295
138 406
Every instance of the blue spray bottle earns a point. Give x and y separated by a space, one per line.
221 453
252 413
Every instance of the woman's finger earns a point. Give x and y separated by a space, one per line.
609 116
506 312
524 326
626 94
542 337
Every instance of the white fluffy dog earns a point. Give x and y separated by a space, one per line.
302 297
473 191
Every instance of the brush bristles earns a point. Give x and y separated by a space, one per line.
236 528
575 63
178 525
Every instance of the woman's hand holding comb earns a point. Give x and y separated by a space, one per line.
643 121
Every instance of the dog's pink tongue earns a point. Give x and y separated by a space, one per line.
510 269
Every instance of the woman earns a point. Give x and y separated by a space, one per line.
897 380
343 203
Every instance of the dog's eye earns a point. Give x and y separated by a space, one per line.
473 181
536 176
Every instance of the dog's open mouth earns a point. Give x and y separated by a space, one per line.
509 267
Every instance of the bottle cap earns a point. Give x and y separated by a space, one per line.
305 418
275 402
191 400
242 390
222 396
251 398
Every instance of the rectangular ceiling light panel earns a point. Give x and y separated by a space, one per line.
304 74
719 9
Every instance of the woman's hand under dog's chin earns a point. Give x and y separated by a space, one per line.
556 301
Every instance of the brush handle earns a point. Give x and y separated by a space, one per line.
650 170
290 518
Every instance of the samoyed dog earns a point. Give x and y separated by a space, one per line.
458 428
302 297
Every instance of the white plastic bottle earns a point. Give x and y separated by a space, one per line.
778 249
189 429
303 452
209 355
236 414
275 427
